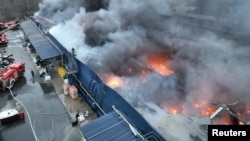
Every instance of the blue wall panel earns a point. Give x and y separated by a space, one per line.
87 81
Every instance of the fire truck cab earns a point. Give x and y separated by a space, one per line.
2 26
3 40
11 74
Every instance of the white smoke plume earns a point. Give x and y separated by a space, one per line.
210 62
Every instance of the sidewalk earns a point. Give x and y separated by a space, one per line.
51 112
73 106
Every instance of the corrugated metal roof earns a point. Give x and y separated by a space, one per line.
42 45
44 21
109 127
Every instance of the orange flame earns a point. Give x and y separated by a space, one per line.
144 72
224 119
159 63
204 109
172 108
111 80
248 108
129 70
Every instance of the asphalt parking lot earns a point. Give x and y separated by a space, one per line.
51 112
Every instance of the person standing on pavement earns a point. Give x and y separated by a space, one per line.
32 73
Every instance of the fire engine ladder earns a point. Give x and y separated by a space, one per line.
3 31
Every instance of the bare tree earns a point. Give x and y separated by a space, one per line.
17 9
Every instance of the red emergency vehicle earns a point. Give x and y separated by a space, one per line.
3 40
2 26
11 74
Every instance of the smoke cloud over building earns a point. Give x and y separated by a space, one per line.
209 63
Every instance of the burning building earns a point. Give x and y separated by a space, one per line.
168 67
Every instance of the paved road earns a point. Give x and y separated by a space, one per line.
48 114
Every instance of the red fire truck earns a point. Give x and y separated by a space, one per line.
11 74
3 40
9 25
10 115
2 26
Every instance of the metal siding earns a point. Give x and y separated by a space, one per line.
43 47
109 127
106 97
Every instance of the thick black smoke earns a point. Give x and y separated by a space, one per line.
61 10
207 61
95 5
231 15
205 39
